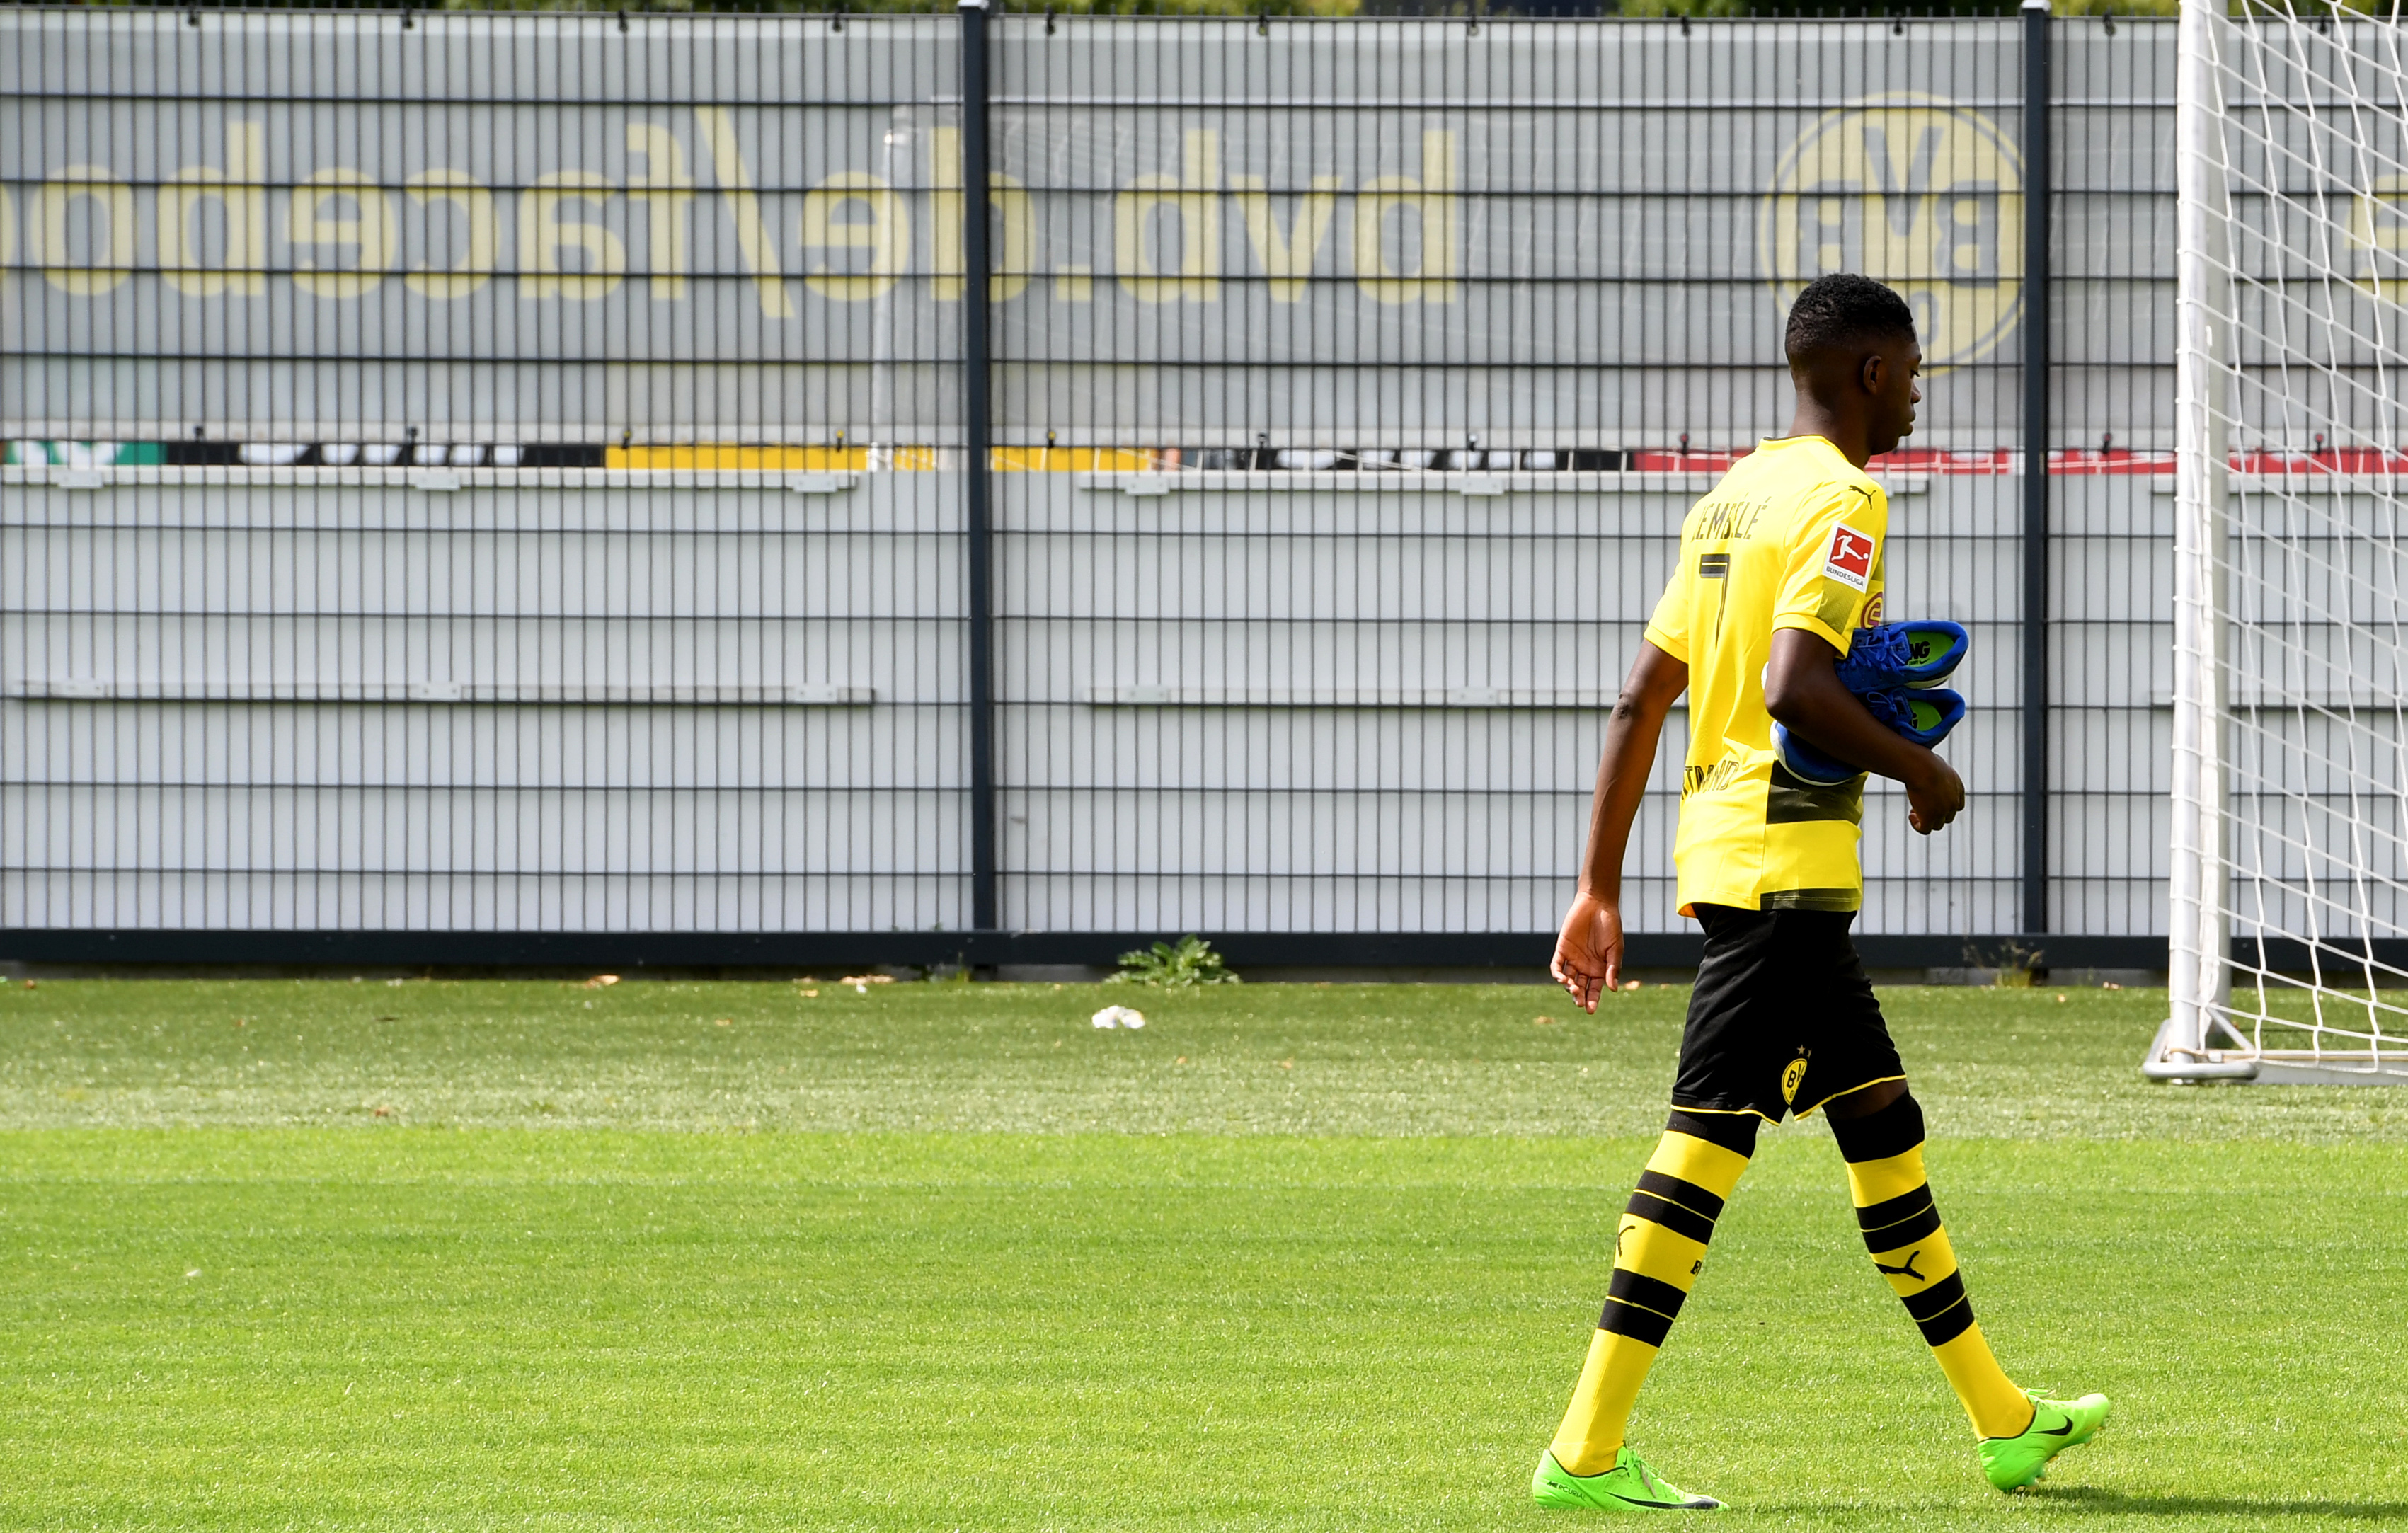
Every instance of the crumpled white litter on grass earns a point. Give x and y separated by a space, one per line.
1119 1016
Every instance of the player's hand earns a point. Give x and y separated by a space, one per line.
1934 795
1588 953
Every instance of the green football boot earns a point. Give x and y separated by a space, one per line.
1630 1486
2012 1463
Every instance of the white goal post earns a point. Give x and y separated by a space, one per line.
2289 876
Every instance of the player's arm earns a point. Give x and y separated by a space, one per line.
1588 953
1803 690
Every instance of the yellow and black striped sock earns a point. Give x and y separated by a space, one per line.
1903 1230
1657 1252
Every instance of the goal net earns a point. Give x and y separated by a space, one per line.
2290 869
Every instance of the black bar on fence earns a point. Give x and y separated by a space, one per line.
979 467
1511 955
2038 183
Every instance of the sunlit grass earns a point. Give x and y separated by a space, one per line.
697 1256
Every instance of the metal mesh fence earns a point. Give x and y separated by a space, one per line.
507 473
495 529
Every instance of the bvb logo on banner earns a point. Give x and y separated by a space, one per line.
1913 190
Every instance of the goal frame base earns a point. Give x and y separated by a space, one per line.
2245 1064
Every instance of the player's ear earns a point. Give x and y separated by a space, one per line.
1870 370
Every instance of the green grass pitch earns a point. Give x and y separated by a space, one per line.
681 1256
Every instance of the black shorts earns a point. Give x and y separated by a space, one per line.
1783 1019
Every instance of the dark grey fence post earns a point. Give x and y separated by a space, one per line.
2038 181
977 479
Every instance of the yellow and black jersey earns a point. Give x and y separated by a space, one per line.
1792 537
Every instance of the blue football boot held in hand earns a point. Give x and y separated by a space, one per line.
1924 715
1807 763
1917 654
1895 669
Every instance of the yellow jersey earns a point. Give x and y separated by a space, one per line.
1792 537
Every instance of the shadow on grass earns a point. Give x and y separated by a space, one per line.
2121 1504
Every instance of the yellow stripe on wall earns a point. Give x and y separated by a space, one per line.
1063 460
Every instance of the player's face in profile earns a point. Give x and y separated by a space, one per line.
1893 372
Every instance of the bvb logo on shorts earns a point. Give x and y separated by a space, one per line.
1926 196
1791 1079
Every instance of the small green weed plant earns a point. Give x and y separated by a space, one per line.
1189 963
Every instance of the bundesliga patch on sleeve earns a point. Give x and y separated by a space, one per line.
1851 560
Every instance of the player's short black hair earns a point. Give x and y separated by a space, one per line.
1844 309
